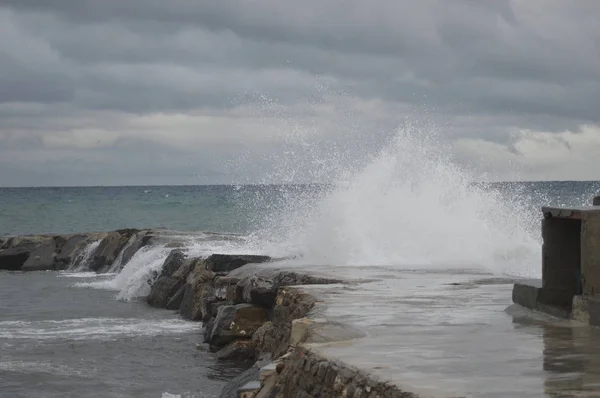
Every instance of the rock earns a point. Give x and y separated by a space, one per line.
224 263
16 251
279 367
225 287
69 250
199 290
162 290
13 259
238 350
260 335
262 291
230 390
208 326
194 304
42 258
174 302
171 281
109 249
236 322
135 243
213 307
173 262
256 290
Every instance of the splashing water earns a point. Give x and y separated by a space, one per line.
83 260
132 281
116 266
411 207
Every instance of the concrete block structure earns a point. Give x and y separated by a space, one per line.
570 285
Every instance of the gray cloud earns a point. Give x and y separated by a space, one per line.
225 81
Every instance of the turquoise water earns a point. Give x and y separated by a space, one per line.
218 208
231 209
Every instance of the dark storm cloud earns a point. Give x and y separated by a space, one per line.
482 69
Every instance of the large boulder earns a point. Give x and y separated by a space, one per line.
175 301
171 280
236 322
199 292
196 300
173 262
12 259
42 258
68 249
16 252
222 264
110 247
162 290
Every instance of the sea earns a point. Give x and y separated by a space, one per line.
79 334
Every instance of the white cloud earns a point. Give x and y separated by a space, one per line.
540 155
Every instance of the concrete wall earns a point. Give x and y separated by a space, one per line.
590 254
561 256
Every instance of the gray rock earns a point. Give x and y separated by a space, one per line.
194 304
109 249
230 390
136 243
225 263
174 302
236 322
208 326
256 290
16 251
69 250
173 262
213 307
42 258
172 278
12 259
237 350
162 290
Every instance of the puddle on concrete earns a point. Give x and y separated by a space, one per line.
457 334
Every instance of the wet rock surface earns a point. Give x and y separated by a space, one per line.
42 258
222 264
61 252
109 249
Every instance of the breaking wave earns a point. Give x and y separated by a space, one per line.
410 207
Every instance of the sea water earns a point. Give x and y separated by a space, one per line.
409 207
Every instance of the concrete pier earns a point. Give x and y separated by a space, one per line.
570 285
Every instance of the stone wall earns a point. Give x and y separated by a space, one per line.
267 317
306 374
244 316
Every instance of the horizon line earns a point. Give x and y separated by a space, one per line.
248 184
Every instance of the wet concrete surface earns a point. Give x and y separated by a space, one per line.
452 333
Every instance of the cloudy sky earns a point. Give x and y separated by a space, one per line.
118 92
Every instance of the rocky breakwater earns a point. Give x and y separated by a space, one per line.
261 313
244 316
91 251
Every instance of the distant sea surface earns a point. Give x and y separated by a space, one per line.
216 208
60 210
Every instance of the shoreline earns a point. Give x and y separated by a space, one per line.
248 312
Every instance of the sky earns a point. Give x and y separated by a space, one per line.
143 92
